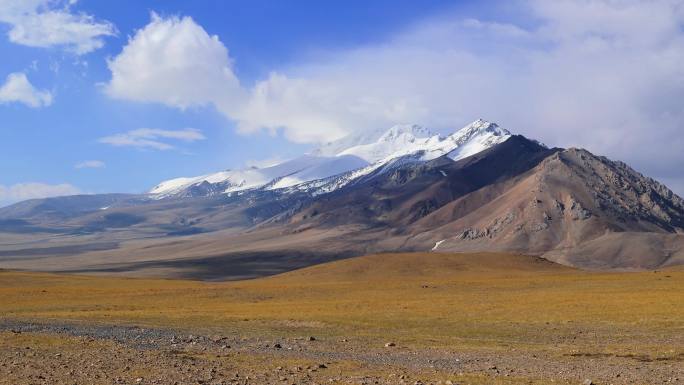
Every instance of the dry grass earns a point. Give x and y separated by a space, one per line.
483 301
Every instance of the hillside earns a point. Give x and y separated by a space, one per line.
577 209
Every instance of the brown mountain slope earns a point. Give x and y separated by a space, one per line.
397 198
568 206
575 208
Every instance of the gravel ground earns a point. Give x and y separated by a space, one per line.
74 353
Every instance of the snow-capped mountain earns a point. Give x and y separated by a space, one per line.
400 141
337 164
402 145
291 172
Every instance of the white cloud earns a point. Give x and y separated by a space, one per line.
17 88
90 164
309 111
52 23
23 191
151 138
175 62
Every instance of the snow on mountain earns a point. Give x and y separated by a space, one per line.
397 141
355 139
339 163
406 140
475 137
323 168
471 139
294 171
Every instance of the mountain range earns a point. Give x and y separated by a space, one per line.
479 188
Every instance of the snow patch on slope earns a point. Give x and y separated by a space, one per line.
437 244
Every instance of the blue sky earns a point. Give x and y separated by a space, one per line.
92 98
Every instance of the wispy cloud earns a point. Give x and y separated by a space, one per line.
152 138
23 191
90 164
52 23
18 89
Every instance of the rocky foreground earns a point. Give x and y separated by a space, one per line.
64 353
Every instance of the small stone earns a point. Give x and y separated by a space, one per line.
588 382
277 346
311 338
322 366
138 380
390 344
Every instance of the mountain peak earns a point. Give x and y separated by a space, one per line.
409 130
482 125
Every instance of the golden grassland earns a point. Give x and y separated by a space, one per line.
459 301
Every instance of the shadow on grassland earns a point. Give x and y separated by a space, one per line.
228 267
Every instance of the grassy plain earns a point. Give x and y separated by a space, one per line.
449 302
